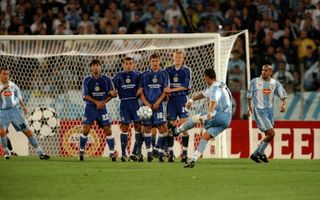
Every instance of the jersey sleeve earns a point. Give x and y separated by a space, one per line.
280 91
85 87
17 92
115 81
187 81
215 94
251 89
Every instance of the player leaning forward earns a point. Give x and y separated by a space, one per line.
261 92
97 90
216 120
10 113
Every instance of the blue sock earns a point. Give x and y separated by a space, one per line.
124 142
134 149
110 142
170 141
200 149
262 147
154 141
161 143
139 139
4 144
185 144
34 142
147 140
83 141
186 126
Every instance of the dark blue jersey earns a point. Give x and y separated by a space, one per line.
153 84
96 88
127 84
179 78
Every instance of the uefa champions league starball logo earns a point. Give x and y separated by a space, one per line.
97 88
175 79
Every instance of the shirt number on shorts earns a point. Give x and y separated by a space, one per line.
159 115
105 117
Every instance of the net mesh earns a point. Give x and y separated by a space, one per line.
50 72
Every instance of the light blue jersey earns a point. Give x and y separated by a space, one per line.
10 112
10 96
262 94
221 120
219 93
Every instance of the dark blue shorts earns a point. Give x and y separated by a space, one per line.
176 108
102 116
157 118
128 111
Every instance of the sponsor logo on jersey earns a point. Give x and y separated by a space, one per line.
97 88
7 93
266 91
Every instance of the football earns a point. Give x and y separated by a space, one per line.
44 121
144 112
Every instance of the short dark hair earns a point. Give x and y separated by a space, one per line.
3 69
94 61
209 72
155 56
127 58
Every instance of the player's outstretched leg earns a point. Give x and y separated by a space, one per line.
189 124
35 144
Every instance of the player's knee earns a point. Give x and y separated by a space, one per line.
124 128
3 132
206 136
107 130
137 127
28 132
162 128
147 129
85 130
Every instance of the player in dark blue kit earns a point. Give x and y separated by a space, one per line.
154 84
127 84
97 91
180 86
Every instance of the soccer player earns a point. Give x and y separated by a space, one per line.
180 86
262 91
153 88
97 91
11 104
216 120
127 84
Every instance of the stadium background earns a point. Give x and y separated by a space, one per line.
285 34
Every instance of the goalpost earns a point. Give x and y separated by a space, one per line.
49 71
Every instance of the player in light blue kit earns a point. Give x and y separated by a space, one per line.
127 84
216 120
97 91
262 91
10 113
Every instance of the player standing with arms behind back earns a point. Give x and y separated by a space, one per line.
215 120
127 84
10 113
97 91
262 91
180 86
154 84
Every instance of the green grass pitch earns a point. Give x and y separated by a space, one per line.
99 178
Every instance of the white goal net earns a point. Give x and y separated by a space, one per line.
49 71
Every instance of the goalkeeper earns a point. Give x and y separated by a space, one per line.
10 113
216 120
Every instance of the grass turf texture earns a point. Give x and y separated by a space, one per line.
99 178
